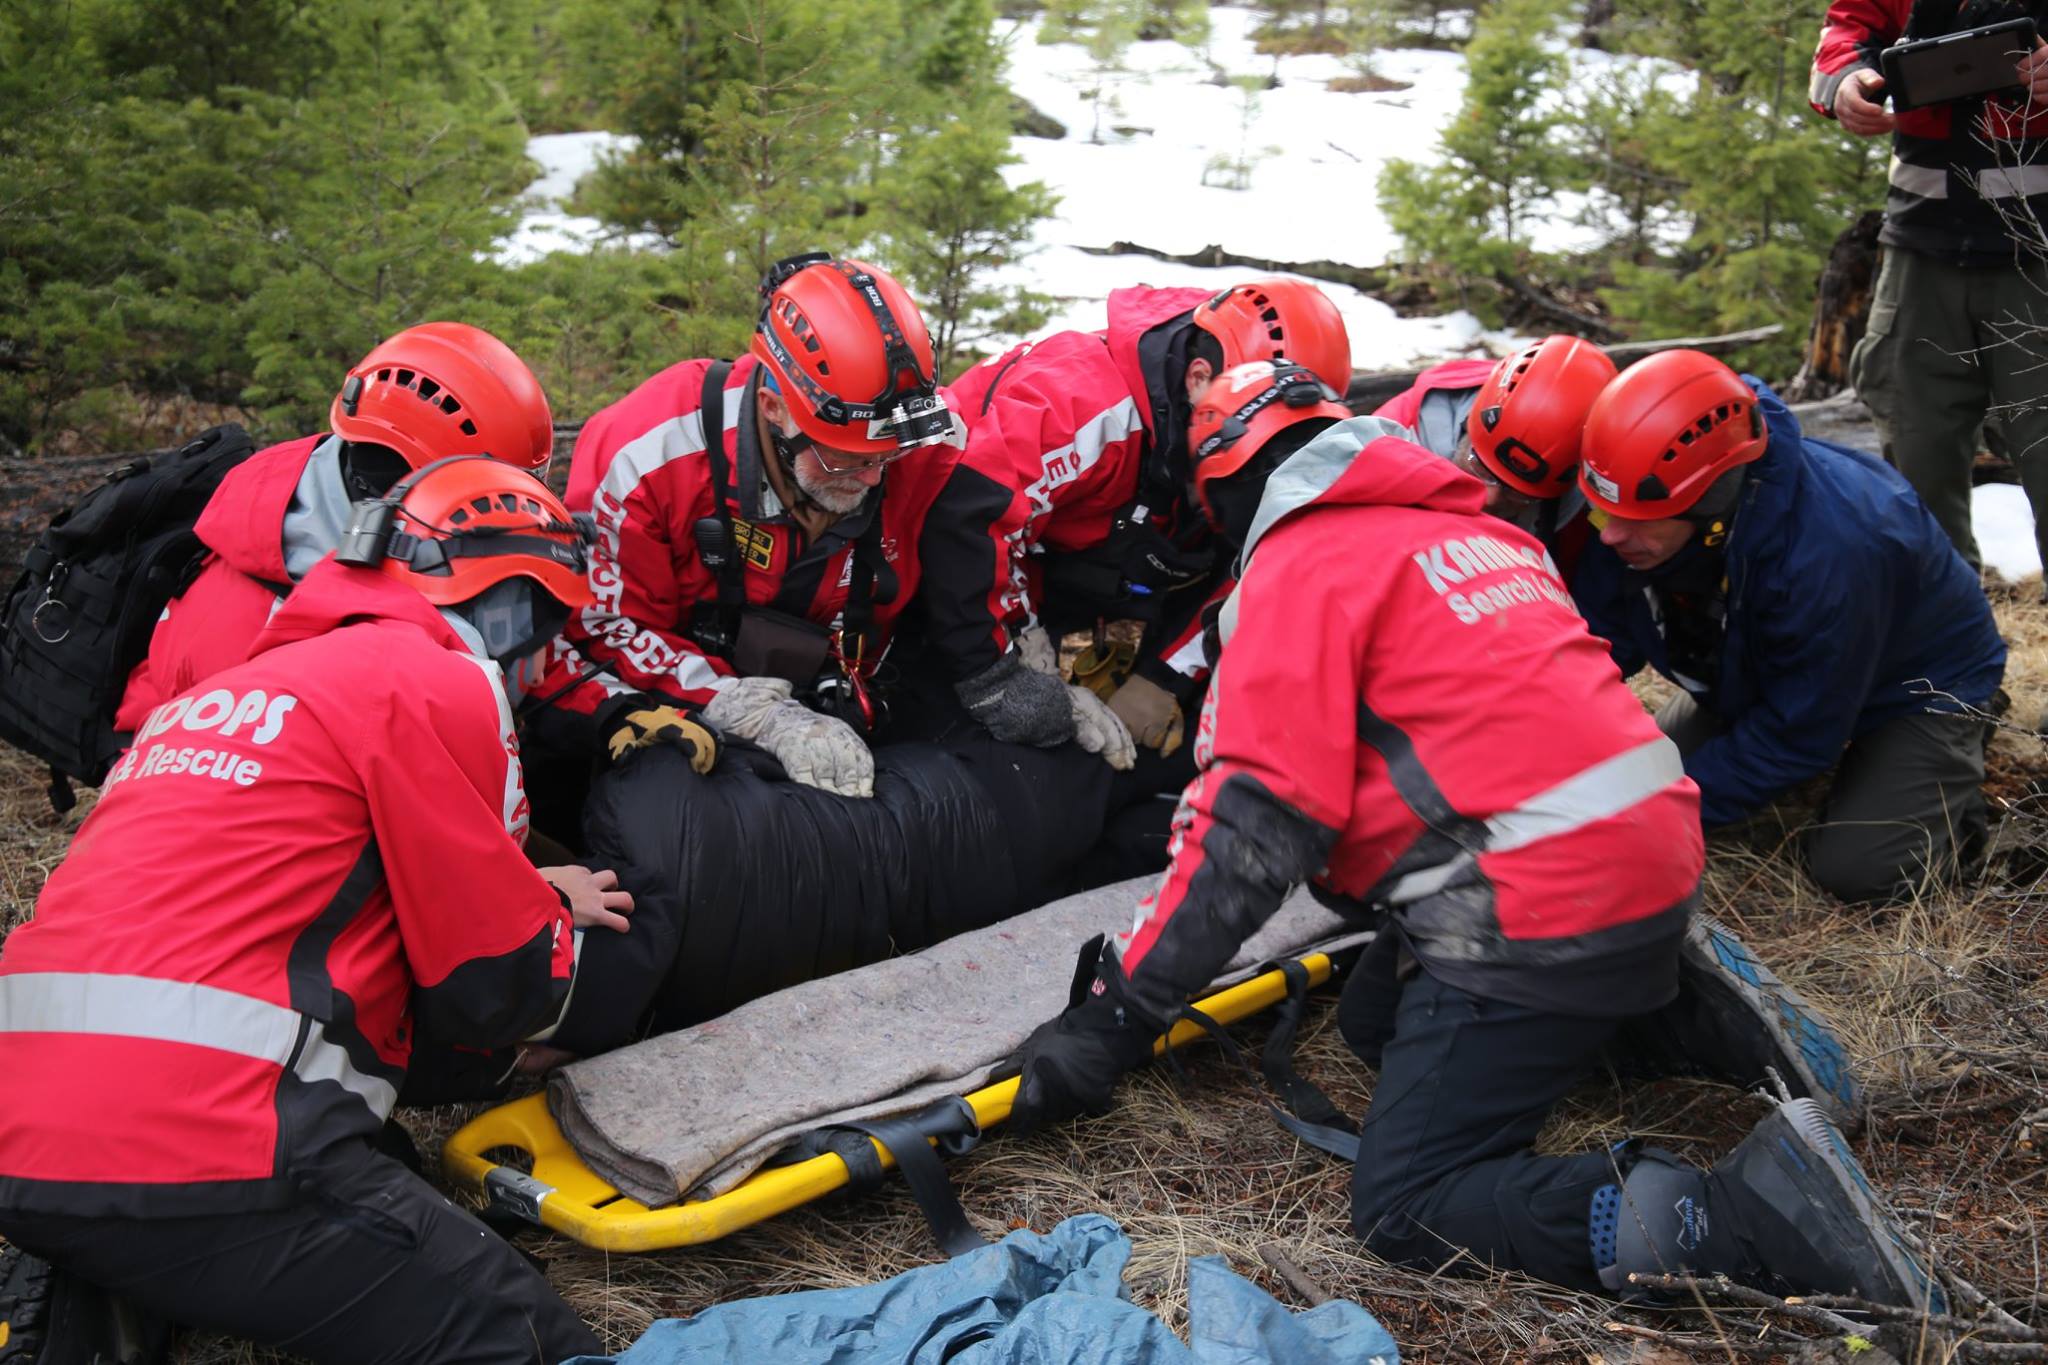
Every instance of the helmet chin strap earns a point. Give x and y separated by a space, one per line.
786 453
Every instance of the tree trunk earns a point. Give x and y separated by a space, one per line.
1841 308
1593 29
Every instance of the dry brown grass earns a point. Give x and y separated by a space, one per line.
1944 1001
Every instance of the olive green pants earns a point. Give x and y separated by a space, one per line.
1906 804
1948 346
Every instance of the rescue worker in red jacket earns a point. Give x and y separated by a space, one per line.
296 867
1070 506
439 389
1514 425
757 580
1409 713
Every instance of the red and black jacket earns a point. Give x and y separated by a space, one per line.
297 866
640 469
1075 472
1410 714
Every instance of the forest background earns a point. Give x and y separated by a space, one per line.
215 207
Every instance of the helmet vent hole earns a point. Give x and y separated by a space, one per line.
1687 437
480 504
449 405
458 516
509 501
428 388
468 427
406 378
824 367
384 376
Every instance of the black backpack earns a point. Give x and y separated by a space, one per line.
78 620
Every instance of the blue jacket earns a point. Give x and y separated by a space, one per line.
1846 606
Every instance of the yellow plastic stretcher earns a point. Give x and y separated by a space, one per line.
564 1194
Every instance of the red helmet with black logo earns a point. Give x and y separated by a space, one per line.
1280 319
1527 420
848 351
463 525
1246 407
446 388
1661 435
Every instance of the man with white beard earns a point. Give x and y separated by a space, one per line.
752 581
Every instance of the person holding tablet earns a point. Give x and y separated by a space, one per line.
1958 318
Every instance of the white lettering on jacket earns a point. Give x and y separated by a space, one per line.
1450 564
221 711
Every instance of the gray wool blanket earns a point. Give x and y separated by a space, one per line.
694 1113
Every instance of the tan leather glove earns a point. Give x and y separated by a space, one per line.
1100 668
650 725
1150 713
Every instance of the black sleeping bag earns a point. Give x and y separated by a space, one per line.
766 883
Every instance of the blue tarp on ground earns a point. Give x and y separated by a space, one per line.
1055 1299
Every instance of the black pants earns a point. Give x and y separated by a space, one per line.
1444 1159
375 1266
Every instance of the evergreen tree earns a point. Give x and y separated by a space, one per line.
1503 158
383 195
1105 28
951 224
1761 186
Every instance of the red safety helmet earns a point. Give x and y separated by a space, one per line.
1528 417
446 388
460 526
847 349
1661 434
1280 319
1246 407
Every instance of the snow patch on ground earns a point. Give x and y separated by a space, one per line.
2004 525
1314 156
547 225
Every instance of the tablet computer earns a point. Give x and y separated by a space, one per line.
1956 66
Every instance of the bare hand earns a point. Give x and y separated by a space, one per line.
2033 70
594 897
1856 110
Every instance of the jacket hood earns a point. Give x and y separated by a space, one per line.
1366 460
1150 353
333 595
244 520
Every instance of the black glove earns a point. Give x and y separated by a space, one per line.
1070 1064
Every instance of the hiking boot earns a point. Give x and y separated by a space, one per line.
24 1304
1789 1211
50 1318
1734 1019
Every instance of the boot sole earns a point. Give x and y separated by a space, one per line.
24 1305
1718 966
1816 1151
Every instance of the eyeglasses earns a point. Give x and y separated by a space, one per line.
832 463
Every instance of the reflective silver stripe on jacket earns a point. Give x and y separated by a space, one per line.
2013 182
1928 182
1594 794
184 1012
